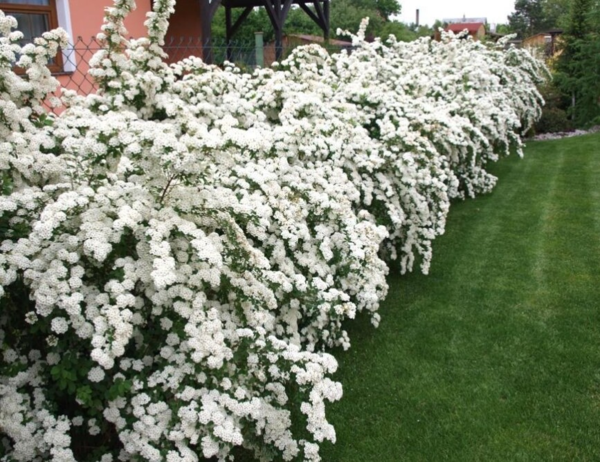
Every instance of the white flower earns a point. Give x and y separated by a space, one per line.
96 374
77 421
211 231
59 325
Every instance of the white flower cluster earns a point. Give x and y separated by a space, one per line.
412 124
179 249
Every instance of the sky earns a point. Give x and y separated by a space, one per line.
495 11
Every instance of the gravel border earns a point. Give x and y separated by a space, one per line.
559 135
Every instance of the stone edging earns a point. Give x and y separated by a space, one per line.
559 135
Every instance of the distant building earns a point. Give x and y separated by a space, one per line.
548 41
475 29
291 41
464 20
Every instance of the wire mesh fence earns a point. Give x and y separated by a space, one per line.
76 58
247 55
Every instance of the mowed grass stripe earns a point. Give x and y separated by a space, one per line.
494 356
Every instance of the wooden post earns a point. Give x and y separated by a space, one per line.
320 16
326 19
228 33
278 26
207 13
205 21
232 28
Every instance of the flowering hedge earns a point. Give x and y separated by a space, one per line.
179 250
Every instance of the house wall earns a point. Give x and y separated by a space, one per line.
547 43
535 40
480 33
476 34
86 18
288 44
184 37
185 22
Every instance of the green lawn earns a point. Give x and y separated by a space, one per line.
495 356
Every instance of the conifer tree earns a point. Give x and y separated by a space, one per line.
578 68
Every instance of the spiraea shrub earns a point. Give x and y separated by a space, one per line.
180 249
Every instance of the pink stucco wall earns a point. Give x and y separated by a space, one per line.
87 16
86 20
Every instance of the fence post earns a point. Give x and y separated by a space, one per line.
259 48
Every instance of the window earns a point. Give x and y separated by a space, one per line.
34 17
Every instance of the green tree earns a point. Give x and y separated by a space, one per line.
403 32
347 15
257 21
578 68
386 8
556 13
528 18
503 29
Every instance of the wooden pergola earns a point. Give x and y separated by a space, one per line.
276 9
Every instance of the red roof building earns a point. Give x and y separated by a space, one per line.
475 29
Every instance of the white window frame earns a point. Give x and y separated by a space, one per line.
62 15
63 12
